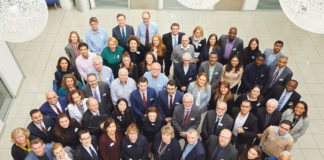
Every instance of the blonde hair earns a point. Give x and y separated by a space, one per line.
132 127
168 130
56 146
198 28
113 39
206 76
18 131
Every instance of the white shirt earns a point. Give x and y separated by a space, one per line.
188 46
185 69
88 150
239 121
198 98
145 93
98 93
58 106
170 99
39 126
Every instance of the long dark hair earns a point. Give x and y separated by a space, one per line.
62 132
249 46
208 41
229 65
58 66
305 107
244 155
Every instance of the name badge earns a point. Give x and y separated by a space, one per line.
235 74
280 79
117 56
159 85
76 129
129 146
101 36
112 144
272 138
119 118
216 73
252 57
151 99
138 52
190 79
234 49
49 128
153 124
245 128
220 124
177 103
290 103
104 94
199 44
66 109
262 75
192 119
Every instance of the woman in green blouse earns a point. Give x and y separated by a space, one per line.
112 55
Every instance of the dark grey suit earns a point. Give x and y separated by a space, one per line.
105 96
178 118
217 74
70 53
208 125
229 152
35 132
118 35
237 48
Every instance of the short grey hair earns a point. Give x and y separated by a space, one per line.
193 131
186 55
122 70
272 101
286 153
284 57
97 58
188 95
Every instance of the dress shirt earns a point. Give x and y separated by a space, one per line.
185 112
83 65
188 149
175 37
185 69
98 92
277 133
121 31
220 119
284 101
228 49
39 126
173 96
158 84
106 74
119 90
58 106
96 113
88 150
141 31
239 121
272 57
145 93
97 41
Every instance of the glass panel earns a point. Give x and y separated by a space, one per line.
268 4
5 100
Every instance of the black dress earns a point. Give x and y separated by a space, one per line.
17 153
212 103
123 120
72 140
151 128
249 56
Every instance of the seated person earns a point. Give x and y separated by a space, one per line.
123 115
185 72
194 149
84 61
103 73
88 149
60 152
78 104
40 150
69 83
64 66
21 146
41 126
54 105
129 65
156 79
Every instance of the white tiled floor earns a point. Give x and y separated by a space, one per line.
38 59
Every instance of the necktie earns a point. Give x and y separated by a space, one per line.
43 129
81 109
57 109
170 106
281 101
100 78
186 118
147 36
96 95
175 42
274 77
216 125
124 36
144 100
93 154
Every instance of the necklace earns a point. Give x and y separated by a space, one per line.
161 151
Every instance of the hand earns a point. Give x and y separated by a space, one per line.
196 60
102 125
99 53
168 119
240 130
183 88
183 134
259 136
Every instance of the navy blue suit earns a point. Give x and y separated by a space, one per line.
118 35
35 132
172 151
197 153
183 79
163 103
47 110
254 75
204 54
82 154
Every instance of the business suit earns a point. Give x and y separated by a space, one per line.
105 96
204 54
178 119
172 151
217 74
47 150
208 125
204 95
119 36
197 153
164 105
276 93
282 79
86 120
137 150
229 152
183 79
261 115
237 48
167 40
300 127
35 132
82 154
47 110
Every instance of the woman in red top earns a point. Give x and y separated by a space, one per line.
109 143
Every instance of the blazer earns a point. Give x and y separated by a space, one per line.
237 48
261 115
167 40
276 93
172 151
82 154
250 127
300 127
150 129
201 44
105 97
118 35
70 53
137 102
197 153
183 79
73 140
109 149
47 110
137 150
208 125
212 104
254 75
123 120
217 74
204 95
204 54
178 118
283 78
35 132
74 111
163 103
32 156
17 153
86 120
229 152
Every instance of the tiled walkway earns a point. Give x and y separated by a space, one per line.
38 59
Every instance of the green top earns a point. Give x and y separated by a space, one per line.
112 59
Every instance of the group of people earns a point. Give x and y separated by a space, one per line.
112 99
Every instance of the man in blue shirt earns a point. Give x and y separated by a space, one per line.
194 148
156 79
273 55
146 29
96 37
103 73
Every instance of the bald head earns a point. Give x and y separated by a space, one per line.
224 137
51 97
185 40
221 108
123 75
155 69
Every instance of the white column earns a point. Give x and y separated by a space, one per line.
250 5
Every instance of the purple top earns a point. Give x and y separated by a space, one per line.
228 49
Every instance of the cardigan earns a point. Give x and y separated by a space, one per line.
232 77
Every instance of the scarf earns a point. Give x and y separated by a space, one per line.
28 149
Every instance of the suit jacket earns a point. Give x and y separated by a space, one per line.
172 151
32 156
178 118
87 118
137 150
283 78
82 154
118 35
197 153
163 103
250 127
237 48
183 79
137 102
167 40
201 44
47 110
70 53
204 95
276 93
208 125
105 97
229 152
217 74
204 54
274 120
35 132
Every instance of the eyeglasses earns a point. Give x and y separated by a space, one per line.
284 128
86 138
228 138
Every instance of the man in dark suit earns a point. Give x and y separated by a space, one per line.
285 95
100 91
171 40
141 99
185 116
279 74
41 126
219 148
245 126
194 149
122 31
214 122
168 99
54 105
215 77
88 149
185 72
230 46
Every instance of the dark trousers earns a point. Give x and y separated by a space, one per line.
234 89
168 63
